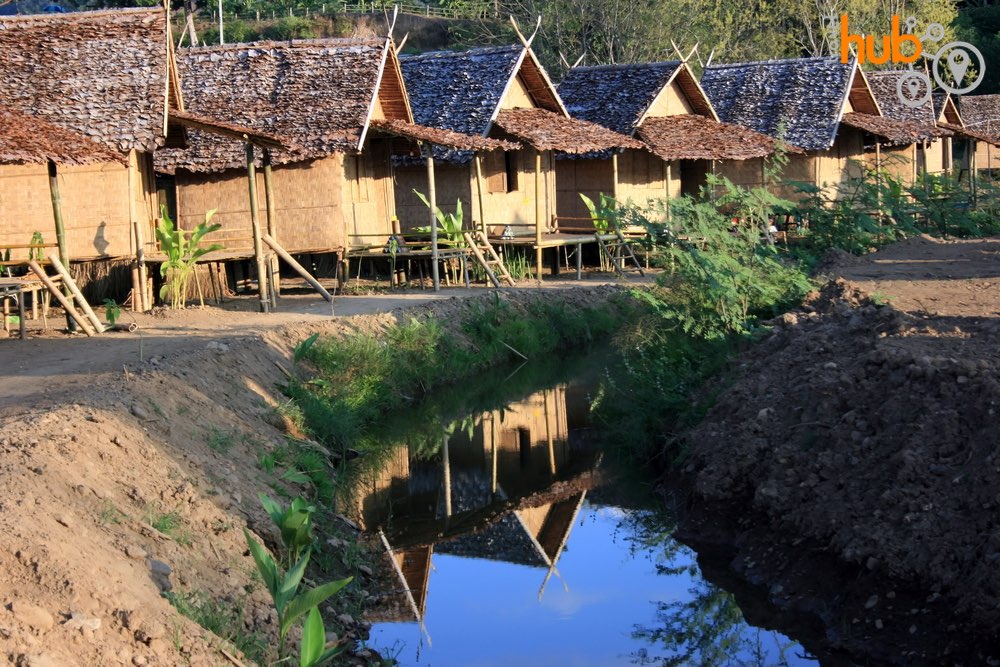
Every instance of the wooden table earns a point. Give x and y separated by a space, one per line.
13 288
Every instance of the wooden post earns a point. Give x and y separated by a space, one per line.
989 159
479 190
60 231
71 312
878 177
432 199
614 175
973 177
258 246
538 214
274 281
296 266
140 242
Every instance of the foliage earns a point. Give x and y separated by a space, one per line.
295 524
222 618
112 311
448 224
36 254
289 603
601 214
312 648
182 254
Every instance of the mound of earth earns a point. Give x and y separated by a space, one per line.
866 439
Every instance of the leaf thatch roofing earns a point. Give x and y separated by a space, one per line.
805 96
688 137
618 96
884 84
445 138
315 94
101 74
545 130
25 139
462 91
895 132
981 113
967 133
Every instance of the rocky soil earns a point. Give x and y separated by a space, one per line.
861 440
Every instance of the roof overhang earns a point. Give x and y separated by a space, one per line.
691 137
545 130
895 132
186 119
443 138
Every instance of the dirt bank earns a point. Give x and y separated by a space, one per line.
133 479
860 440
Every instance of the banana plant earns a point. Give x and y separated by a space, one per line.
312 647
183 253
295 524
284 587
600 214
449 224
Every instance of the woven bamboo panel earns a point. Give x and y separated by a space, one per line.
307 200
94 206
451 183
576 177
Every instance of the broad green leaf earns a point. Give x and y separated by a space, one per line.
313 598
313 639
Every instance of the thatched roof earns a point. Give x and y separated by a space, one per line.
315 94
445 138
884 86
981 113
462 91
100 74
894 132
25 139
690 137
805 96
967 133
545 130
618 96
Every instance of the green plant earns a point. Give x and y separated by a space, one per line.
183 253
221 441
170 524
602 214
312 648
110 514
295 524
223 619
289 604
36 254
448 224
112 311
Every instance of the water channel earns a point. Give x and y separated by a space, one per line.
514 540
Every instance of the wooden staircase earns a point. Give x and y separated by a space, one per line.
488 258
619 252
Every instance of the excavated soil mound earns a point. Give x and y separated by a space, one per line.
866 440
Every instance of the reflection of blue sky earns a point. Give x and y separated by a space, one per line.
483 613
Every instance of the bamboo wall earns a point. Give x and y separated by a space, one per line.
369 201
95 207
579 176
642 177
501 208
987 157
307 198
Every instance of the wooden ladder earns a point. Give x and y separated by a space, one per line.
619 252
488 258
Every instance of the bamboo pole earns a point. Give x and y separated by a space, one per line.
479 190
432 198
878 177
614 175
71 312
77 294
298 268
274 281
538 214
973 165
60 229
258 249
140 241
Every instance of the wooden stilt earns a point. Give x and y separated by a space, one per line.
60 229
432 198
298 268
538 214
144 300
274 281
479 190
258 246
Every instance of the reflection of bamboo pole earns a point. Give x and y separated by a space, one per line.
406 585
548 431
559 550
493 447
447 475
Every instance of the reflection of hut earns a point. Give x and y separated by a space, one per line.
663 105
501 92
926 148
821 105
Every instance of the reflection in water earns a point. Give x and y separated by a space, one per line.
497 506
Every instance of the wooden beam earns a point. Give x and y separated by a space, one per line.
77 294
479 191
298 268
258 246
538 214
71 313
274 278
60 231
432 198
